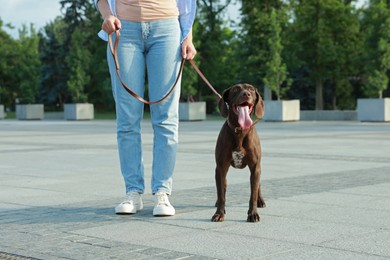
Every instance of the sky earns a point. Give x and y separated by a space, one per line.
41 12
38 12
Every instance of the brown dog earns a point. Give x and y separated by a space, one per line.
238 145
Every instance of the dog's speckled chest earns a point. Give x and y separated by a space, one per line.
237 157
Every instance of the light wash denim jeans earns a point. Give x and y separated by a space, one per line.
154 46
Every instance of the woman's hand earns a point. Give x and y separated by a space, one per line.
188 50
111 24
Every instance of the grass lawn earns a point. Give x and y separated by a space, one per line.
10 115
111 116
105 115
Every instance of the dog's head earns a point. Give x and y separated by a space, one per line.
239 102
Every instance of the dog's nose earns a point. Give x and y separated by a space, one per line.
246 94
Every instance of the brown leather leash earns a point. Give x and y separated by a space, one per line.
204 78
114 52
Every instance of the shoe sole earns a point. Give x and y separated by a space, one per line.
163 214
127 213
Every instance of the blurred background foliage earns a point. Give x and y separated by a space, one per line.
325 53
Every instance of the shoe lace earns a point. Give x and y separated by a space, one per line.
162 198
130 198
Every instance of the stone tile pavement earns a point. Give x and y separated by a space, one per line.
326 184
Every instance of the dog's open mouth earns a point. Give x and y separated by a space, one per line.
243 112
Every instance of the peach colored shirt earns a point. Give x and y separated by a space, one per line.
146 10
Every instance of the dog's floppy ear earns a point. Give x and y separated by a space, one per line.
259 107
223 103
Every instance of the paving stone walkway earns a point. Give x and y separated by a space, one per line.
326 185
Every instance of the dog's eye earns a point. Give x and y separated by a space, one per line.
235 90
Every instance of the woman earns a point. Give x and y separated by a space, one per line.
155 36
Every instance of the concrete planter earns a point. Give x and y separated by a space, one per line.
78 111
191 111
2 114
373 109
281 110
30 112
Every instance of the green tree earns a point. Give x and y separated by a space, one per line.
376 27
74 64
8 57
189 80
275 69
54 73
348 47
77 53
82 15
78 61
99 88
19 66
325 31
216 50
258 61
28 65
75 12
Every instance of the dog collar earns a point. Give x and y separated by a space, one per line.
236 129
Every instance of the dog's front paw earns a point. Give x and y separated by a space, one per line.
218 217
253 217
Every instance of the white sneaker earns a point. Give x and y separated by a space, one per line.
131 204
162 205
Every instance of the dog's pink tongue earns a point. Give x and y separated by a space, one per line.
244 118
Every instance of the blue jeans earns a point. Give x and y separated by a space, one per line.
153 47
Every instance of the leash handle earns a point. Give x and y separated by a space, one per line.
114 52
114 49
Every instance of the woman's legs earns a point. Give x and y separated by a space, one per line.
129 111
163 62
158 44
